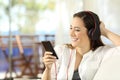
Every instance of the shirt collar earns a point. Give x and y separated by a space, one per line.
88 53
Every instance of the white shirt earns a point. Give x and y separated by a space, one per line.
88 67
109 69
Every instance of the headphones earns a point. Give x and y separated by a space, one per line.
94 32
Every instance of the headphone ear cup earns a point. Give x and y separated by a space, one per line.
90 33
94 34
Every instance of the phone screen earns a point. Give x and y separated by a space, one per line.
48 47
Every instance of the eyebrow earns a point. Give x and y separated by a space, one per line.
74 26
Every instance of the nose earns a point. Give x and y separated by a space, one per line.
72 33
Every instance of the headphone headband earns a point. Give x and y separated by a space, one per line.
94 32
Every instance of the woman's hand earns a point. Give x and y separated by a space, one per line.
48 60
115 38
103 29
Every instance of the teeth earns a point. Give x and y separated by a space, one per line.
74 39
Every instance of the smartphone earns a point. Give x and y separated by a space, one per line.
48 47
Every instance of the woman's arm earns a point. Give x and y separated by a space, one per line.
46 74
110 35
48 60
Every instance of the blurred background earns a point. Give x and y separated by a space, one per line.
25 23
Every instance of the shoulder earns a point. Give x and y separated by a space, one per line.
111 49
108 48
108 51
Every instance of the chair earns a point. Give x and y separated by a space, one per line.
32 59
27 59
22 62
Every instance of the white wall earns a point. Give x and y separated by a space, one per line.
107 10
64 12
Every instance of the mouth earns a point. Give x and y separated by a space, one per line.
74 39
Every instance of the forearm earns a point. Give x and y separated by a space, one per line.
113 37
46 74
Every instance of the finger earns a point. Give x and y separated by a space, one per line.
47 53
50 56
49 63
48 59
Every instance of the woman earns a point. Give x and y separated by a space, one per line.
81 59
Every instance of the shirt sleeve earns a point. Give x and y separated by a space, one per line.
110 51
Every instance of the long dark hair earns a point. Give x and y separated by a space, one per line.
92 23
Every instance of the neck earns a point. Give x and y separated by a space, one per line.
84 49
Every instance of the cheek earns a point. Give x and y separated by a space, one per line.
82 36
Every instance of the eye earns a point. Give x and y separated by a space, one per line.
70 27
77 29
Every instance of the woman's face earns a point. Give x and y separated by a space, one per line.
78 33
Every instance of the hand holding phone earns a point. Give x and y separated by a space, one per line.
48 47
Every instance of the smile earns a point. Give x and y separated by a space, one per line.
74 39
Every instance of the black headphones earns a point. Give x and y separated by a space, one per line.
94 32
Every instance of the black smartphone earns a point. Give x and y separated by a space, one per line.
48 47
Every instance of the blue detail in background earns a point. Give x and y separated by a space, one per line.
4 65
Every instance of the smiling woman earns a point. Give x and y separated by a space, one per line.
86 52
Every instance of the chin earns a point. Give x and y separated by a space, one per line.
74 44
